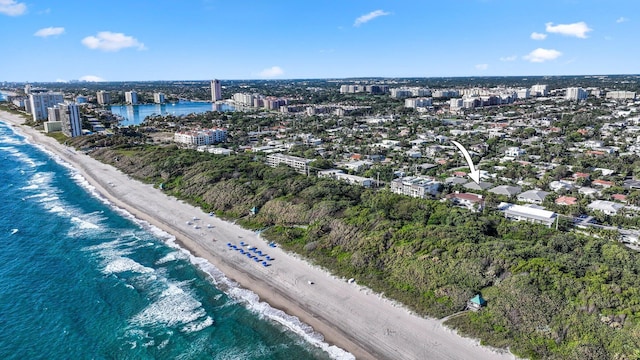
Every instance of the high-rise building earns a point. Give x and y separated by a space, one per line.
70 118
158 98
39 103
216 90
53 114
523 93
621 95
104 98
131 97
576 94
539 90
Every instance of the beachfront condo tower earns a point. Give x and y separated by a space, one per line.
39 103
70 118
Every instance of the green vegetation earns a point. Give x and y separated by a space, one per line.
59 136
551 294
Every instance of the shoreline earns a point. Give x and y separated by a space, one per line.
347 315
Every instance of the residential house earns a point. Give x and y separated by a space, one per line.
455 180
607 207
356 165
506 190
620 198
581 175
603 183
469 201
533 196
632 184
481 186
560 185
514 152
588 191
566 200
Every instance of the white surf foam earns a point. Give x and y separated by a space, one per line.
11 140
84 224
172 256
252 302
123 264
174 308
197 325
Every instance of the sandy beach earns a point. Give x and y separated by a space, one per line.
349 316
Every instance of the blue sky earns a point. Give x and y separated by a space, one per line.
121 40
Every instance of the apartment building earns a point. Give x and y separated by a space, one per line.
40 102
104 98
201 137
415 186
301 165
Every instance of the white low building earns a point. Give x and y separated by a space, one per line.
414 186
201 137
301 165
529 214
351 179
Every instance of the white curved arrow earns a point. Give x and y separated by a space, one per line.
475 174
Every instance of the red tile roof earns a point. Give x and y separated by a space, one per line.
566 200
465 196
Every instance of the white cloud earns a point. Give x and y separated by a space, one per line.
541 55
273 71
91 78
538 36
579 29
370 16
482 67
109 41
12 8
509 58
622 19
61 81
50 31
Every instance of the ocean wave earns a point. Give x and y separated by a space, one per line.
10 139
197 325
35 196
124 264
174 308
254 304
20 156
172 256
41 179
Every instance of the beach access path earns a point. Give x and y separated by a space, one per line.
349 316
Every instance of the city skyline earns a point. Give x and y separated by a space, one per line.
210 39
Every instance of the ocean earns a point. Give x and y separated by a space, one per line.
84 280
135 114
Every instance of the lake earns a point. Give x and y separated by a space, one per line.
135 114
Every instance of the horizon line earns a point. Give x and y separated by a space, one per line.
74 81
